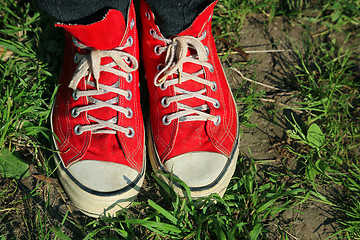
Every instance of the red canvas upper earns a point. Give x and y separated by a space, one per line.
109 33
190 136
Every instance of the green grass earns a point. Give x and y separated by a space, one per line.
324 138
327 77
26 80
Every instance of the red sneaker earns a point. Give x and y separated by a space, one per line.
193 127
97 120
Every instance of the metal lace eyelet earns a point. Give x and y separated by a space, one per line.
211 68
147 15
131 132
162 87
204 33
218 120
214 86
74 95
216 104
130 113
129 96
207 50
127 60
210 17
157 50
129 78
77 130
74 112
130 40
77 58
164 102
159 67
165 120
152 32
132 24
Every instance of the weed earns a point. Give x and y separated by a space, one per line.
24 78
329 137
330 89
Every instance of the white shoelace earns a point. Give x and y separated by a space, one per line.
176 55
90 66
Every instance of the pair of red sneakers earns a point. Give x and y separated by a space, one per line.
97 121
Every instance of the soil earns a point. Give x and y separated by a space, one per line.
309 221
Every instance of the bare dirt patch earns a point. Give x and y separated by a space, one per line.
274 48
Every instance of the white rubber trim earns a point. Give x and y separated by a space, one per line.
95 205
89 202
219 186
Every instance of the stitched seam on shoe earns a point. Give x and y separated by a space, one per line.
218 143
170 146
132 33
57 120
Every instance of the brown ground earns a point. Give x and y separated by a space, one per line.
310 221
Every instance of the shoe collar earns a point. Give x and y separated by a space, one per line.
102 35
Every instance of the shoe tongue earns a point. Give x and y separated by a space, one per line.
195 30
103 35
197 27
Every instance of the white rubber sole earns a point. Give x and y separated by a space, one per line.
218 186
94 203
98 204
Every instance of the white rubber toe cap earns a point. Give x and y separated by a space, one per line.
102 176
197 169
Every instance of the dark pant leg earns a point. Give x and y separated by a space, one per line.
82 11
174 16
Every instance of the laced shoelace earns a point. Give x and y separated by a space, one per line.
89 65
176 55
